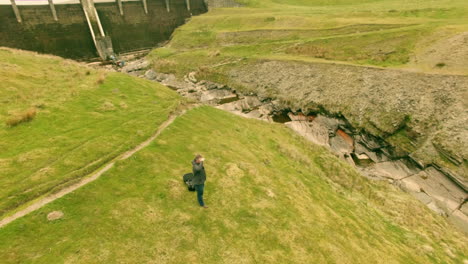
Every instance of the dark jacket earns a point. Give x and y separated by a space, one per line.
199 175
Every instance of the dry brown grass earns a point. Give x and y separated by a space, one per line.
107 106
22 117
309 50
101 78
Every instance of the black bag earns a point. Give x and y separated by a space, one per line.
188 180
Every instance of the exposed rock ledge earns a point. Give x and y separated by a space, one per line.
372 156
421 115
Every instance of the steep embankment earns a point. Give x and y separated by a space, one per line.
61 120
273 197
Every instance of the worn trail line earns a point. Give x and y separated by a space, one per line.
93 176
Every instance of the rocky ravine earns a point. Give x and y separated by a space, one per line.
313 112
421 115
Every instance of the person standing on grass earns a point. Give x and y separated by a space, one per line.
199 178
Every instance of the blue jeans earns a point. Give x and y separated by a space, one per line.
199 188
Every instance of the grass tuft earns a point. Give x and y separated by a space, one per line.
22 117
101 79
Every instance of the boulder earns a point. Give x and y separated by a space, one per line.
172 82
347 138
362 156
136 65
212 85
276 105
54 215
150 75
314 132
266 108
164 76
318 131
250 103
263 112
214 96
331 124
342 144
409 185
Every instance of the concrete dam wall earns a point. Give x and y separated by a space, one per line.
135 26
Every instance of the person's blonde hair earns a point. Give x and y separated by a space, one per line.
198 156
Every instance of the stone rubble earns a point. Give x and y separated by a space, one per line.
55 215
136 66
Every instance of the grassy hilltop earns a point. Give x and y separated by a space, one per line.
273 197
389 33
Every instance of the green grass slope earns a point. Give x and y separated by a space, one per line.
85 118
389 33
273 197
